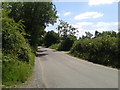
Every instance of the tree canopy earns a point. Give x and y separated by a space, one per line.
51 38
65 29
36 16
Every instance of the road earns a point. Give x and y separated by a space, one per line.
54 69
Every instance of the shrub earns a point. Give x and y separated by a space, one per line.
67 43
51 38
13 41
102 50
18 60
54 46
15 71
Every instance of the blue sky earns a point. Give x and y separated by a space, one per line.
88 16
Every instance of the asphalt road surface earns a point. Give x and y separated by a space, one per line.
54 69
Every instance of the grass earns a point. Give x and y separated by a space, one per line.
16 71
54 46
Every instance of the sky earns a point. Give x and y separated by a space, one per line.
100 15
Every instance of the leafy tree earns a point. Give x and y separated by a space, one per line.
40 41
12 36
67 43
51 38
109 33
37 15
87 36
41 38
97 34
105 33
83 37
113 34
118 36
65 29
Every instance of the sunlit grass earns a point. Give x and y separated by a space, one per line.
16 71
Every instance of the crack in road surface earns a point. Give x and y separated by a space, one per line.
54 69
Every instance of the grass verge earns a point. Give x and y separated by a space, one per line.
54 46
15 71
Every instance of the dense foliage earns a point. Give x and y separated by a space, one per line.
18 59
66 33
67 43
13 41
102 50
65 29
55 46
23 25
15 71
36 16
87 36
51 38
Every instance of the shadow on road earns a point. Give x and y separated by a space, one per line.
40 54
41 50
54 51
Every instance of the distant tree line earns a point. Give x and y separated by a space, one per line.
99 34
65 36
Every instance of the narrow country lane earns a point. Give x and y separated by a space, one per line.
54 69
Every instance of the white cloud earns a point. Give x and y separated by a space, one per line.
82 27
67 13
82 24
101 2
92 27
88 15
105 26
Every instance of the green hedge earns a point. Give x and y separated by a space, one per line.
67 43
13 41
15 71
18 59
50 38
102 50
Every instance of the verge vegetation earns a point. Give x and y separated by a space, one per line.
101 50
18 60
23 26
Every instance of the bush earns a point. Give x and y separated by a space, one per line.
18 60
54 46
51 38
13 41
102 50
15 71
40 41
67 43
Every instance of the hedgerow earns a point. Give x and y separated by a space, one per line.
18 60
102 50
67 43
